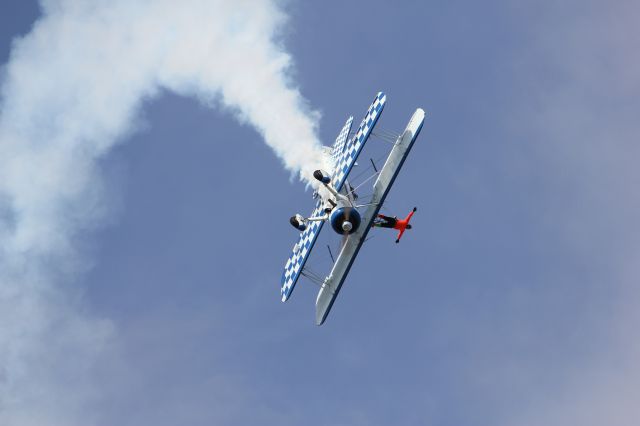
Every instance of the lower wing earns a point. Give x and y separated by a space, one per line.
388 174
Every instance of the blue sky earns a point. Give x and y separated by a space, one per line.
512 300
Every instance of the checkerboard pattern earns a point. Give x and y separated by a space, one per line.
343 156
338 146
300 253
350 153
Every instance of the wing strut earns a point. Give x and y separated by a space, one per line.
331 254
373 164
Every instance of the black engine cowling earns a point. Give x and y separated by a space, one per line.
345 220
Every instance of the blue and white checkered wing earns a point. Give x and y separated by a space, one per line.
343 156
340 143
345 161
300 253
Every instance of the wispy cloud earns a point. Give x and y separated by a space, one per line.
72 89
583 77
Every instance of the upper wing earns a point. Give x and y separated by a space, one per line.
346 159
307 239
333 283
339 144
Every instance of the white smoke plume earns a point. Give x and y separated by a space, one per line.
71 90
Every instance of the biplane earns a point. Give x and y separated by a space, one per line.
337 203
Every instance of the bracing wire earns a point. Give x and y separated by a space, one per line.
312 276
388 133
384 138
367 168
365 181
311 272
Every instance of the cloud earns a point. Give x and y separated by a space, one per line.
71 91
583 82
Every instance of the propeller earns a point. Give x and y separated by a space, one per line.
347 222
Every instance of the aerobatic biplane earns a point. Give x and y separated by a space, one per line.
338 204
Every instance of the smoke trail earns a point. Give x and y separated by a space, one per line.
71 91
